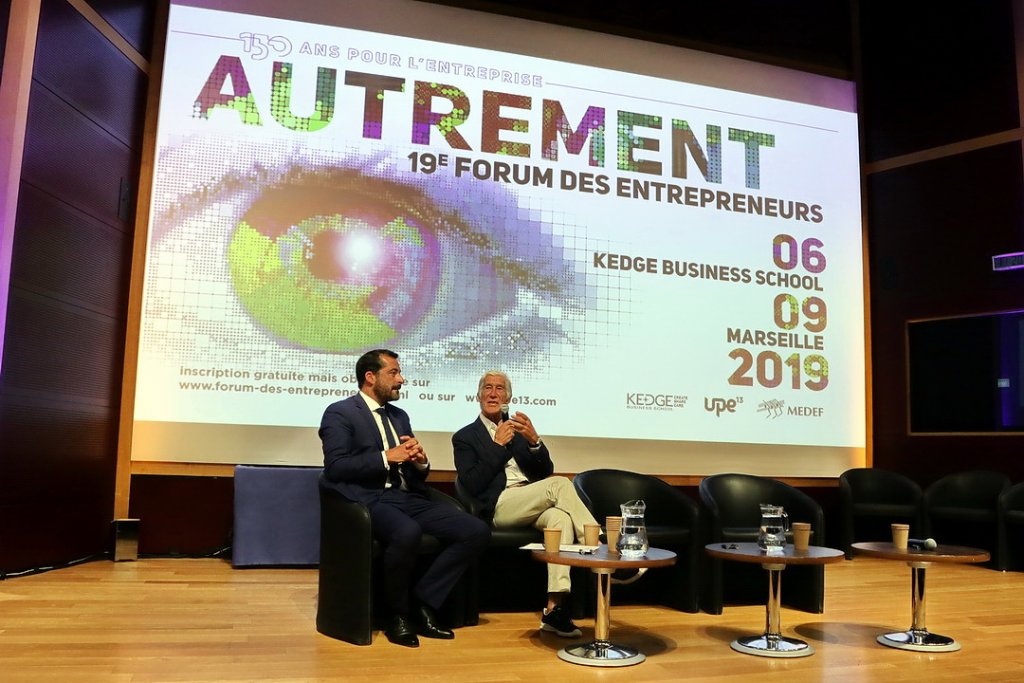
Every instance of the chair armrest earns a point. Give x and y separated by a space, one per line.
469 503
441 497
341 516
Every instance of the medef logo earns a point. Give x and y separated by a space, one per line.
772 408
718 405
642 401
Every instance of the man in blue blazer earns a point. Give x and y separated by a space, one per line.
503 463
372 456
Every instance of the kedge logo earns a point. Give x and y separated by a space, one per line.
718 405
645 401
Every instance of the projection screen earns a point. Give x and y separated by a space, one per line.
662 247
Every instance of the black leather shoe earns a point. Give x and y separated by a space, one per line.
400 632
428 626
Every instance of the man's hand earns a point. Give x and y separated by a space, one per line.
409 450
522 424
504 433
414 449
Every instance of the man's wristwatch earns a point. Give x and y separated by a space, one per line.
535 446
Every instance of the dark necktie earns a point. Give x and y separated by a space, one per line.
394 474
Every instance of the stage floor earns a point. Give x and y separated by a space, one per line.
200 620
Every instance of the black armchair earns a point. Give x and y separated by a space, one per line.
673 523
732 512
504 578
1011 528
348 589
871 499
961 509
505 537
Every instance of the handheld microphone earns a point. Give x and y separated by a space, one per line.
504 418
921 543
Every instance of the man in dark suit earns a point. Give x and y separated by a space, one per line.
372 456
503 463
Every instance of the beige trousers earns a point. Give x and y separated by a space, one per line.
551 503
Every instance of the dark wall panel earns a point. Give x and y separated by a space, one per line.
935 74
70 157
810 33
182 515
5 18
75 60
69 255
133 20
62 365
933 229
56 488
66 352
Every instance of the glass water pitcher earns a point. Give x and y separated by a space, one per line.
633 536
771 537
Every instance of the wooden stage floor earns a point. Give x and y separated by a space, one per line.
200 620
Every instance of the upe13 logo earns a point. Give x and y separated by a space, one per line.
718 405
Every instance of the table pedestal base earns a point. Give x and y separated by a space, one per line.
765 646
601 653
771 643
917 638
919 641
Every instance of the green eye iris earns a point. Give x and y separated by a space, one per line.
328 266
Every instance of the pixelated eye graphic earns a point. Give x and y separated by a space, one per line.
336 261
342 253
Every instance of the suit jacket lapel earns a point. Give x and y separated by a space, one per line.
367 416
482 433
484 436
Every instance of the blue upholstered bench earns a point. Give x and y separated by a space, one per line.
277 516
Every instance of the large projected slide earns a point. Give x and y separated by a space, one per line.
669 270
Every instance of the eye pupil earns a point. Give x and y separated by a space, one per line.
354 257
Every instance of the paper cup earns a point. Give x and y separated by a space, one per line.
801 535
592 534
612 526
900 533
552 539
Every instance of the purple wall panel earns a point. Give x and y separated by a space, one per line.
62 366
77 63
132 19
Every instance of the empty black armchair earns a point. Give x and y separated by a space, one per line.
673 523
1011 528
732 510
871 499
348 580
961 509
